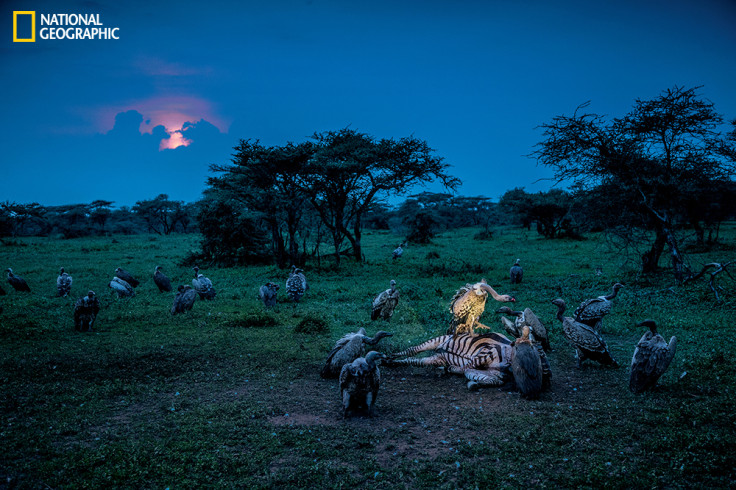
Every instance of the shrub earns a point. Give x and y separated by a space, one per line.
312 324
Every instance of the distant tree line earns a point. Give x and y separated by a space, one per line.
158 215
658 177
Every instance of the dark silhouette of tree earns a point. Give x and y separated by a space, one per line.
160 214
652 161
264 180
350 170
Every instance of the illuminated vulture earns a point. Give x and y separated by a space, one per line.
651 359
516 272
85 312
587 342
203 285
296 284
526 366
359 383
121 287
18 283
385 303
468 305
163 282
63 283
127 277
347 349
592 311
184 300
525 318
268 294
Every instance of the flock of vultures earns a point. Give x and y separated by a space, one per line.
484 359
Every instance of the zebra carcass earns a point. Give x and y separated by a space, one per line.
484 360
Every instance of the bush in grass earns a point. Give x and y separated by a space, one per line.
255 320
312 324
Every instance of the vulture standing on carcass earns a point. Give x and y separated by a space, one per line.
18 283
184 300
398 251
385 303
468 305
592 311
127 277
528 318
651 359
296 284
527 366
516 272
587 342
121 287
347 349
63 283
268 294
359 383
163 282
85 312
203 285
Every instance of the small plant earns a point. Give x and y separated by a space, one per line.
432 255
312 324
255 320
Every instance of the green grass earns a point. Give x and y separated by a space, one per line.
230 395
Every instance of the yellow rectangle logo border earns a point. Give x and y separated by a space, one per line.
32 13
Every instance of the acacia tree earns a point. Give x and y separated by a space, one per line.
264 180
651 162
160 214
349 170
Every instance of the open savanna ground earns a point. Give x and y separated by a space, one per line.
230 394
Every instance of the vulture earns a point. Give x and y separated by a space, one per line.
268 293
63 283
592 311
296 284
121 287
468 305
528 318
398 251
512 328
348 349
127 277
163 282
526 366
651 359
587 342
18 283
385 303
203 285
184 300
85 312
359 383
516 272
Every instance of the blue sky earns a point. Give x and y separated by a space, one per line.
101 119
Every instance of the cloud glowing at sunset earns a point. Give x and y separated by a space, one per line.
171 112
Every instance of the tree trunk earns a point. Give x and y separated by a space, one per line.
678 264
650 260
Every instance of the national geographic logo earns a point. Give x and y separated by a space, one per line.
60 26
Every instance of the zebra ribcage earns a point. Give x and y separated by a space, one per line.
461 351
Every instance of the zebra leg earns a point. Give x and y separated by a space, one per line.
478 378
431 361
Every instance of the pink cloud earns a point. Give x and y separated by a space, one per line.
171 112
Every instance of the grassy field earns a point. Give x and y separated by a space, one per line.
230 395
